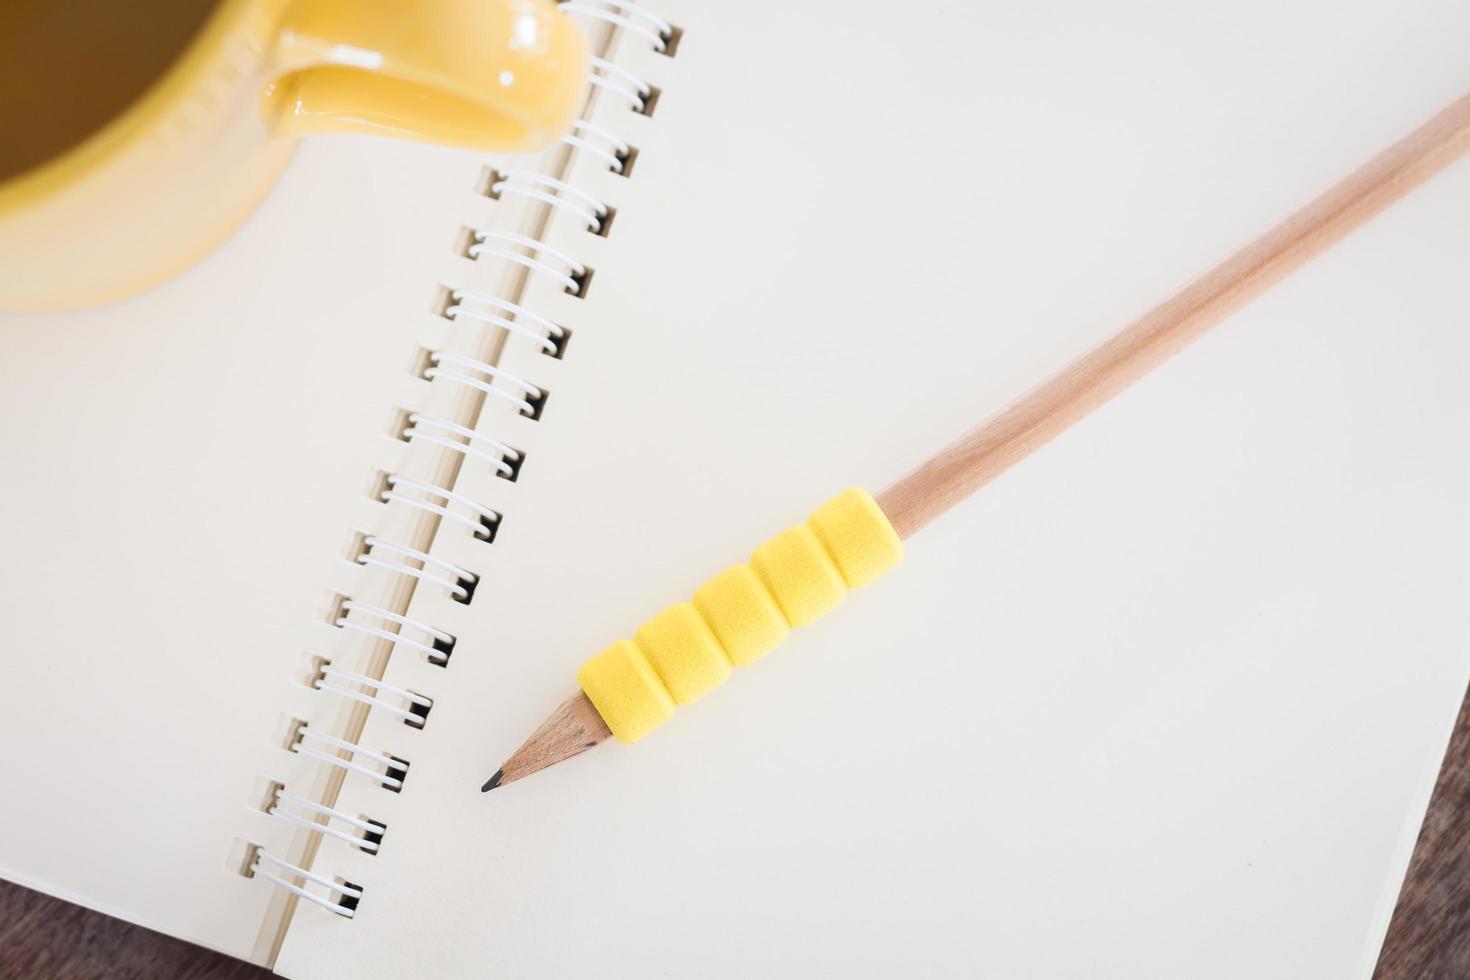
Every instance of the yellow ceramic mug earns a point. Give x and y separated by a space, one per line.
164 182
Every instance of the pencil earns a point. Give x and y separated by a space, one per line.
689 648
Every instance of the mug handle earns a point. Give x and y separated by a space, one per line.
502 75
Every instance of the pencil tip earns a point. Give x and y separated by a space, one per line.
493 781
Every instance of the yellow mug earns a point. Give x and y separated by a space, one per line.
163 183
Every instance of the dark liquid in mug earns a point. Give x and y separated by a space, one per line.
69 67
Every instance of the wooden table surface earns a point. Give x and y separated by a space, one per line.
44 937
1430 935
1429 938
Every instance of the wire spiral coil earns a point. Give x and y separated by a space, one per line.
482 524
460 435
391 775
349 894
437 645
369 838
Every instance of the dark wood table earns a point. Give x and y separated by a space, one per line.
47 939
1429 939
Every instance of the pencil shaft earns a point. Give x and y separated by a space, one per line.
992 447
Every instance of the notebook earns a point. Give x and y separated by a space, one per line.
302 545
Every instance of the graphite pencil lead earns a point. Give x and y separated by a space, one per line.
493 781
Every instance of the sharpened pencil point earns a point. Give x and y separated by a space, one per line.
493 781
572 729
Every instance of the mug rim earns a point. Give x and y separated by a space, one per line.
99 148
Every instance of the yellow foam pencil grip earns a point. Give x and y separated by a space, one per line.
740 615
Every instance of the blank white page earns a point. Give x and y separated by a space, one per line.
181 475
1165 700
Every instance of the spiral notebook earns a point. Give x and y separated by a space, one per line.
300 546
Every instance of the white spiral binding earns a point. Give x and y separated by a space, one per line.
346 891
515 310
363 840
634 96
517 320
664 28
389 764
476 524
455 583
658 37
496 457
582 204
568 281
528 390
579 138
563 188
611 71
429 649
328 673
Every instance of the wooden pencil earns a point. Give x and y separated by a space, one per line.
993 446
